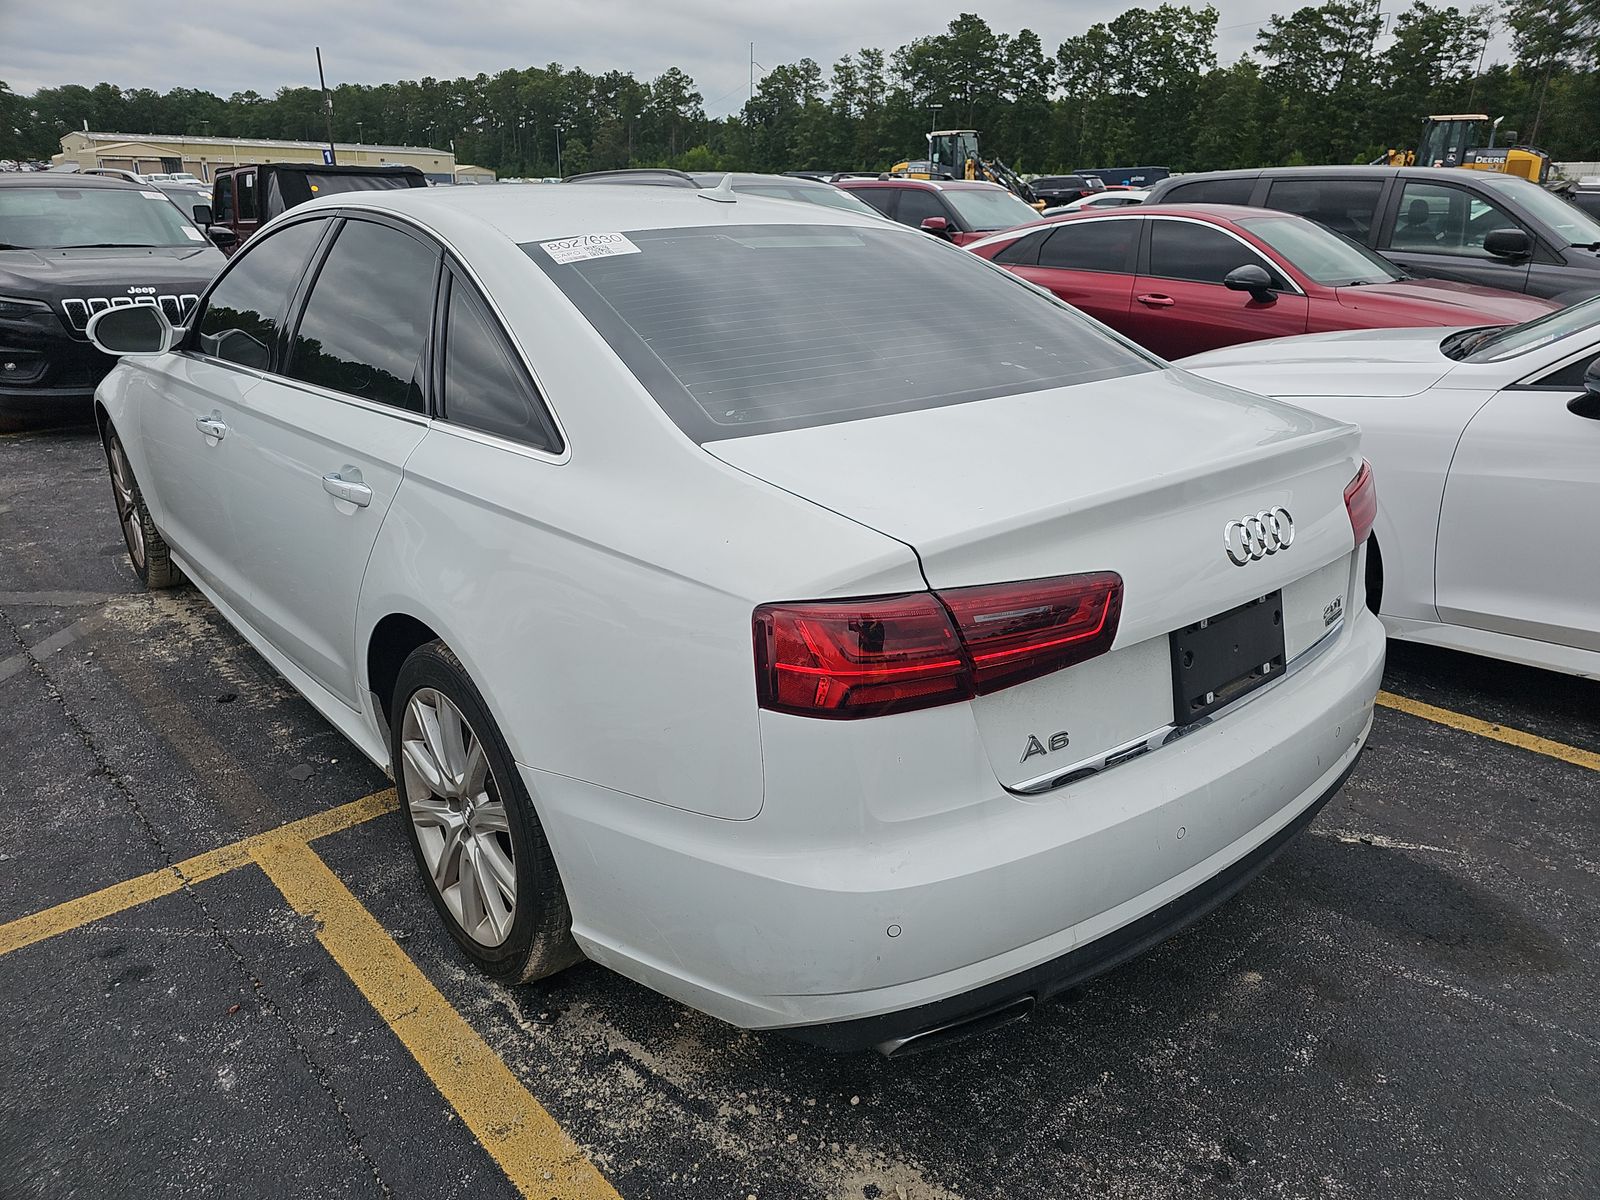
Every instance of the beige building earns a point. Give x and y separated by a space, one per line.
149 152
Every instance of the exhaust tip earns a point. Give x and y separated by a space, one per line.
975 1025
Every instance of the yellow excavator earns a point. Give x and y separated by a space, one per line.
954 154
1454 140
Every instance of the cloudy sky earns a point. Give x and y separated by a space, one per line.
265 44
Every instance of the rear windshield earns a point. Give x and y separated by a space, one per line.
739 330
34 218
1327 257
826 195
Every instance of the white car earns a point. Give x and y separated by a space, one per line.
1119 198
798 615
1488 445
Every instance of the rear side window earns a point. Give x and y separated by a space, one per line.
222 197
243 312
1092 246
246 184
881 199
1233 190
741 330
485 388
1201 253
1024 251
364 330
1347 206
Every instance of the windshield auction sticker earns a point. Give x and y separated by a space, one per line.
590 245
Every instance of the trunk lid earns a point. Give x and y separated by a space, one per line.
1138 475
1353 362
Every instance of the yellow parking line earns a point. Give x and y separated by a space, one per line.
96 906
1487 729
531 1147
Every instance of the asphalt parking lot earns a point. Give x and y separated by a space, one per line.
220 976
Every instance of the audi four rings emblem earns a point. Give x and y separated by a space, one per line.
1252 539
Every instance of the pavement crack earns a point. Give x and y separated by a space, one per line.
103 766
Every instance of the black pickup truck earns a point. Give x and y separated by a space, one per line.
71 246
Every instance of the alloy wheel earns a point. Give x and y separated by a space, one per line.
459 816
127 505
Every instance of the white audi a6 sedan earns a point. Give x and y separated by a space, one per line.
1488 444
793 613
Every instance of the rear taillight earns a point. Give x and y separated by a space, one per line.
1019 631
1361 502
877 655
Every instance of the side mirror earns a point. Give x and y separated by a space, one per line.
132 329
202 215
936 225
222 237
1588 404
1253 279
1508 243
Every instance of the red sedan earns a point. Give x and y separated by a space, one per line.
1180 279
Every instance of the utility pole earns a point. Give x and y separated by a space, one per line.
327 104
1488 32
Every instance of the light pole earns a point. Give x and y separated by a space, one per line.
558 147
361 132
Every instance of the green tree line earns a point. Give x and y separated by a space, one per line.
1337 83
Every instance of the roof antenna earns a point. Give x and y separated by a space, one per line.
723 193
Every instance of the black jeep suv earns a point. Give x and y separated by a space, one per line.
71 245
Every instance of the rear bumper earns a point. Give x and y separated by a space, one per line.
860 936
986 1007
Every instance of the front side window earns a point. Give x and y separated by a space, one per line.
917 205
1091 246
243 312
1201 253
1441 218
40 218
1563 216
485 388
750 329
1347 206
364 331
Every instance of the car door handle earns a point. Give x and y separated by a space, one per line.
211 427
1155 300
354 491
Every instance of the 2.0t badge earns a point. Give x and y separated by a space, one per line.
1255 537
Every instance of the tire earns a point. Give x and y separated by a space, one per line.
147 549
1374 576
469 840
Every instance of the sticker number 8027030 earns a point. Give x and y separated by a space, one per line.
589 245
